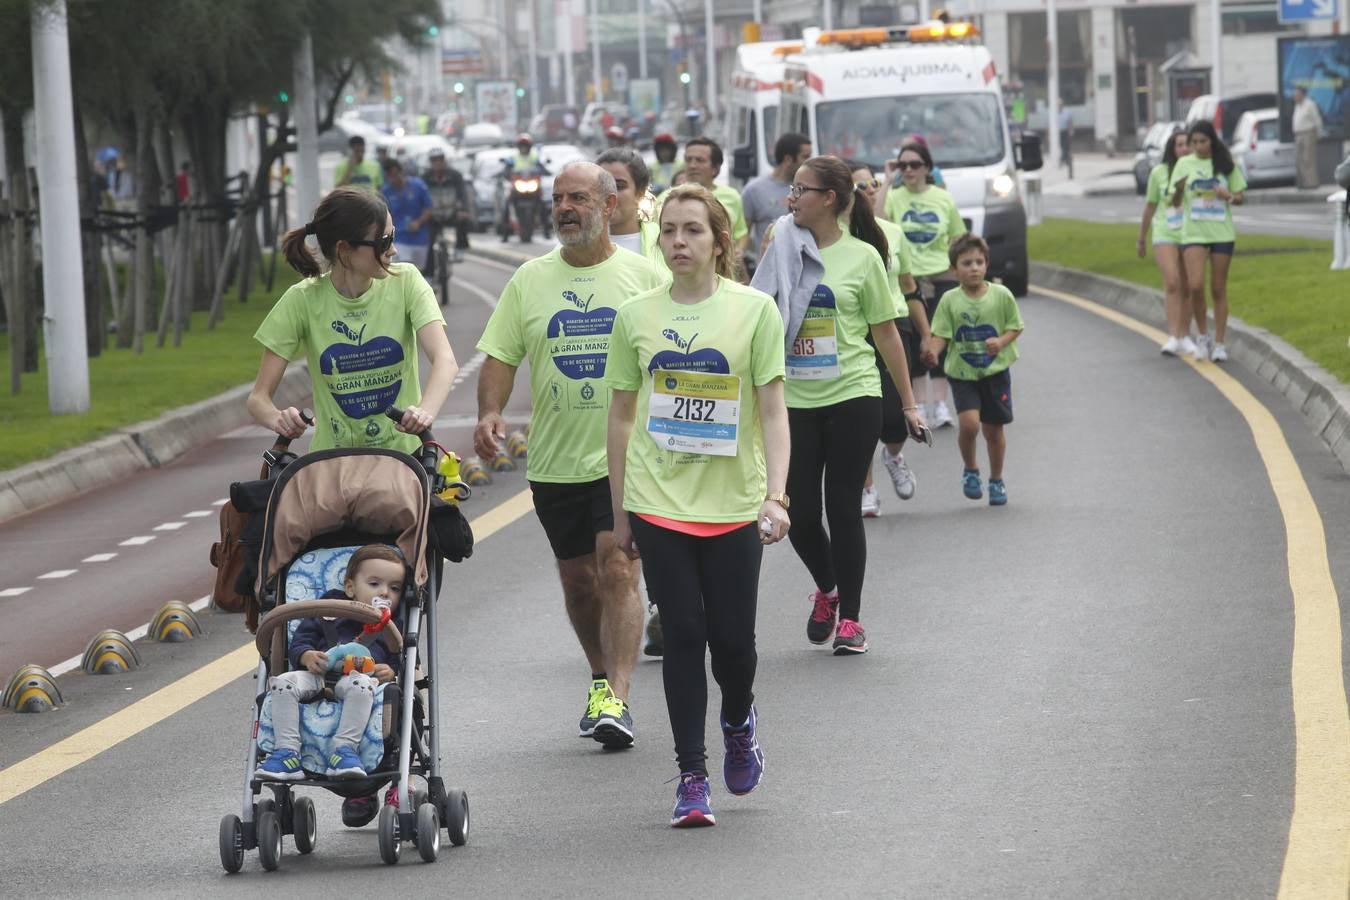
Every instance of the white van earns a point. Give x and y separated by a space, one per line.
752 121
859 93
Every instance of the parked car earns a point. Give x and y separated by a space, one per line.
556 122
553 157
480 135
591 130
1226 112
1259 152
486 174
1151 152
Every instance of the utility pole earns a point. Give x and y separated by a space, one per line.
758 14
1052 79
827 15
569 73
642 37
306 112
597 76
710 54
1216 41
534 57
59 213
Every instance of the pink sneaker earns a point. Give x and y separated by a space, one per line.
821 624
850 639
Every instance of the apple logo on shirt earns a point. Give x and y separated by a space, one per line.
927 226
363 377
971 336
686 358
579 338
821 298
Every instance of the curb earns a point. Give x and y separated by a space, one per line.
1322 400
135 448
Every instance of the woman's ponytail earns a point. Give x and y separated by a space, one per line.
862 224
297 253
835 175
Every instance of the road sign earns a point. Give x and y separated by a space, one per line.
461 61
618 77
1308 10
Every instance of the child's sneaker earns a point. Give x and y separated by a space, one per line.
744 764
344 763
942 416
281 765
820 625
850 638
970 484
691 802
998 494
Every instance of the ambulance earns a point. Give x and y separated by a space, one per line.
752 122
859 93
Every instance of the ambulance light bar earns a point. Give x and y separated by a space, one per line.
872 37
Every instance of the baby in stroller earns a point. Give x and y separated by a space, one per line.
375 576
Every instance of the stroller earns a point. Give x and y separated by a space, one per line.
319 509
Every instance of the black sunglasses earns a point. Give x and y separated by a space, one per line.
910 164
381 246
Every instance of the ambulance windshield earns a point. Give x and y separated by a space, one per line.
961 129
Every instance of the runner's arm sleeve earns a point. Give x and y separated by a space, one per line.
622 370
421 299
942 322
503 339
1237 182
766 345
956 226
878 303
738 226
1012 313
283 330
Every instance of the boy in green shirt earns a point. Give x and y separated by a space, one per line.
982 321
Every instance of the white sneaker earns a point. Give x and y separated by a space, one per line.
1186 346
1219 353
1201 351
1170 348
901 477
942 416
922 410
871 503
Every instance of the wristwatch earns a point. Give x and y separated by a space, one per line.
778 497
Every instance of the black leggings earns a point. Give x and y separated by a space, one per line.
836 442
706 590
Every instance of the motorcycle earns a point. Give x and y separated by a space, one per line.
524 199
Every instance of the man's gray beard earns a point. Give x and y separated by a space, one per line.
591 226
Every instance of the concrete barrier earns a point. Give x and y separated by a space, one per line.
1322 400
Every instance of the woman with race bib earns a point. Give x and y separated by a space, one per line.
929 217
1206 186
697 366
834 393
1165 221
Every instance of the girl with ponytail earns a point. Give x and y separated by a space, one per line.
359 329
833 394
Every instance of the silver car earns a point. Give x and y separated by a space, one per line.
1258 151
1151 152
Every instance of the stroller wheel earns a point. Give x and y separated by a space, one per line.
428 832
269 840
390 844
457 817
306 828
231 843
265 803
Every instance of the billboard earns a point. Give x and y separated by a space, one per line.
497 103
1321 66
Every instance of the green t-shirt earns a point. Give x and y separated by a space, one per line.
730 200
1207 219
736 332
1167 219
899 263
368 174
362 353
930 221
966 322
831 360
560 317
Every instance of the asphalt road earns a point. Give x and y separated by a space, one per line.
1086 693
1311 220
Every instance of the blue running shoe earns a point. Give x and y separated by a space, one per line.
691 802
998 494
970 483
744 764
344 763
281 765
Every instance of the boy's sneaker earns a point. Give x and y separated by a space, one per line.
656 642
1170 347
614 726
820 625
942 416
998 494
744 764
344 763
1219 353
902 479
359 811
1186 346
871 504
970 484
850 638
281 765
1201 351
599 692
691 802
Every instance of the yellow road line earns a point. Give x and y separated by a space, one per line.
1317 858
106 733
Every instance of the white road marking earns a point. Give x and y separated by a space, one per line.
134 634
58 573
486 296
220 502
14 592
197 514
170 526
137 541
492 263
99 557
470 368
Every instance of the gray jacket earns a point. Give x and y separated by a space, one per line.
789 272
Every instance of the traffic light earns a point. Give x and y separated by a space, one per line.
398 99
350 98
684 78
433 30
459 87
520 92
283 97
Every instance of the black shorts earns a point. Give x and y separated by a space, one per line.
573 514
992 396
1223 248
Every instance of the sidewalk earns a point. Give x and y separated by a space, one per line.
1097 175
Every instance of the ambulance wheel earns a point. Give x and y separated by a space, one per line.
269 840
390 845
428 832
457 817
231 843
306 826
